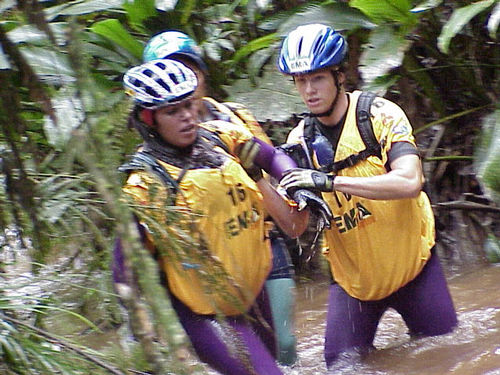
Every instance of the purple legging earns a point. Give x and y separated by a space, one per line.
425 305
216 347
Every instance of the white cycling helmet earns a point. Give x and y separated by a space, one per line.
159 82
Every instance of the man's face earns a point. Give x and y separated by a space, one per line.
317 90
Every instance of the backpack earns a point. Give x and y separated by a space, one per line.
363 121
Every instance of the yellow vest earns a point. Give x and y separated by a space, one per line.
375 246
227 209
240 115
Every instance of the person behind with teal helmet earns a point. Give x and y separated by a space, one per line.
280 285
381 248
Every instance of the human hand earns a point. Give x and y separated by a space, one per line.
247 154
306 198
307 179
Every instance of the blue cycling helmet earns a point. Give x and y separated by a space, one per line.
170 44
311 47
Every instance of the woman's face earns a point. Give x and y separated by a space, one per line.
177 124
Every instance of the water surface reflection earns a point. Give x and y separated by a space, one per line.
472 349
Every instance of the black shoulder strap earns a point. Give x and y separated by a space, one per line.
141 161
213 138
365 128
364 123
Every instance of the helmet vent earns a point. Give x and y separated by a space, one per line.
148 73
173 77
152 92
163 84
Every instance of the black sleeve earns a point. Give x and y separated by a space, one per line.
399 149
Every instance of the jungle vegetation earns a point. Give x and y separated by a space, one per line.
63 134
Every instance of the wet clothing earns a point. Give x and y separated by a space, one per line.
282 263
218 226
424 303
230 344
376 247
280 284
237 114
360 256
225 207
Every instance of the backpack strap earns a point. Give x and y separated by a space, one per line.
213 138
364 123
141 161
365 128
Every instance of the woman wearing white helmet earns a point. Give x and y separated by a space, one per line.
280 284
366 164
221 207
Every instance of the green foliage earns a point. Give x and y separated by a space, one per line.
27 348
488 156
113 30
61 82
381 11
460 18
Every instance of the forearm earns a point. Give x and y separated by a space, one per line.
383 187
405 180
289 219
273 161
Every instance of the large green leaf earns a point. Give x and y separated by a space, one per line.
33 35
382 11
254 45
113 30
384 51
487 156
458 20
275 98
51 66
78 8
494 21
340 16
138 11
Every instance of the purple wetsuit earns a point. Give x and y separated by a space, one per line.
424 303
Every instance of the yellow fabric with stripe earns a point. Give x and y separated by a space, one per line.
375 246
240 115
226 207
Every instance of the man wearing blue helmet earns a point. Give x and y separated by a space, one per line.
381 246
280 285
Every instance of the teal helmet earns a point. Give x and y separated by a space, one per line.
170 44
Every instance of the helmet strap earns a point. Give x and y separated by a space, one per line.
146 116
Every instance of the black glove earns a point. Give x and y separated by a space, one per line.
318 206
247 154
300 178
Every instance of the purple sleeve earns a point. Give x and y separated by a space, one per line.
273 161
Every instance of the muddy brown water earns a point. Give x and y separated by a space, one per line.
472 349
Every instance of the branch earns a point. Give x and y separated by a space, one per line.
463 205
67 345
